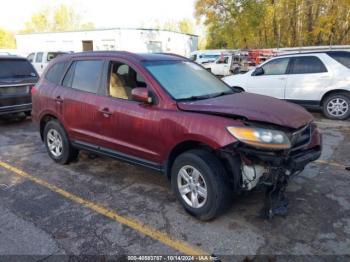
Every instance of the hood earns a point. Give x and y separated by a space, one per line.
252 107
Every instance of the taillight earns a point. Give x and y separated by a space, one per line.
34 90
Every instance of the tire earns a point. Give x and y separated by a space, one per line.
63 152
330 109
211 176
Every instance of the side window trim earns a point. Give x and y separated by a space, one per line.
70 66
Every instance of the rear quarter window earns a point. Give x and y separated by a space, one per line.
55 73
341 57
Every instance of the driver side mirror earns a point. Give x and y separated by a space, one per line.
258 71
141 94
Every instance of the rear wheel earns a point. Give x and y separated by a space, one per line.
198 180
337 106
57 143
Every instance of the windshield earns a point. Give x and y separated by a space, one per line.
16 68
186 80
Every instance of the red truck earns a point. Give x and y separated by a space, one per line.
169 114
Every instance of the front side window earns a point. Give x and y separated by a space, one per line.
307 65
223 60
39 57
84 75
16 68
122 79
276 67
55 72
186 80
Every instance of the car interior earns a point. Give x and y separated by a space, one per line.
122 80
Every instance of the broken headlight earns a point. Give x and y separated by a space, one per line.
260 137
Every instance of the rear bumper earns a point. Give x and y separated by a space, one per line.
6 110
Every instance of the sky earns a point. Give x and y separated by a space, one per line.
102 13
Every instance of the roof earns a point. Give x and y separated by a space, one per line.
12 57
135 56
317 52
113 28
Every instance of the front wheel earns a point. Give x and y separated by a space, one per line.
337 106
198 180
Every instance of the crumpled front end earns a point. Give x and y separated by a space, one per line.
272 168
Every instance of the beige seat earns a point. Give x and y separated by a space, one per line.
117 87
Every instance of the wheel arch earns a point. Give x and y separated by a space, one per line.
181 148
43 121
331 92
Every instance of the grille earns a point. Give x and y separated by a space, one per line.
301 137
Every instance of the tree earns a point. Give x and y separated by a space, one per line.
274 23
184 26
61 18
7 39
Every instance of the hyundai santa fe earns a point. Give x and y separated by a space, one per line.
316 80
166 113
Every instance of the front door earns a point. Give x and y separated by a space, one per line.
128 128
273 80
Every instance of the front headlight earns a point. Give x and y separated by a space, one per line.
260 137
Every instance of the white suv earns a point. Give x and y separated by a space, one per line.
314 80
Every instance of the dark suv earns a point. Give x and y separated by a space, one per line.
17 77
169 114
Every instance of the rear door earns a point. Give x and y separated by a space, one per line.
308 76
273 81
80 100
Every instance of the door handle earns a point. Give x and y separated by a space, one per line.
105 111
59 99
282 78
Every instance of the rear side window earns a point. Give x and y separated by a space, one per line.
16 68
341 57
84 75
39 57
307 65
55 72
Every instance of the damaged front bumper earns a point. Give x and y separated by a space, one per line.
250 167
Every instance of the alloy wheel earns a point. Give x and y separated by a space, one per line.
337 107
54 143
192 186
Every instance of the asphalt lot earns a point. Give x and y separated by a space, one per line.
103 206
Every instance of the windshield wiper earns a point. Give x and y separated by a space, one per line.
221 94
207 96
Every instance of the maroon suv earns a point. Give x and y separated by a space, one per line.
169 114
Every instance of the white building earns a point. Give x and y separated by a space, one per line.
128 39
